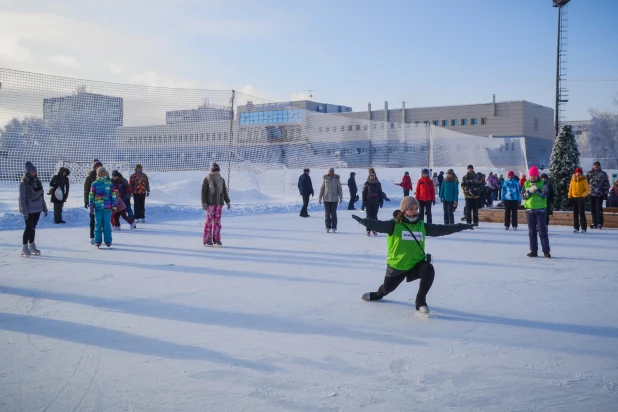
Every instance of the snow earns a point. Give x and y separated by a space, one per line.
273 321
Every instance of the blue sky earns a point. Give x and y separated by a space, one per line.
426 53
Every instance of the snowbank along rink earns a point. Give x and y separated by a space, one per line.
273 321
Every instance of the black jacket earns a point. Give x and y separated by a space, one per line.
352 185
372 193
90 178
304 185
388 227
60 181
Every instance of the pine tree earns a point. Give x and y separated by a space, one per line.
564 160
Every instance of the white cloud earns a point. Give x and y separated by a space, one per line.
300 96
68 61
12 50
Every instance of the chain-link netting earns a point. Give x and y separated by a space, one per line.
176 134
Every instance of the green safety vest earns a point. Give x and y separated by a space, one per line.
403 251
534 200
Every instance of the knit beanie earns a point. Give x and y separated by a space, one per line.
425 171
101 171
331 169
579 170
96 164
214 167
510 174
138 166
470 167
115 173
534 171
30 167
407 202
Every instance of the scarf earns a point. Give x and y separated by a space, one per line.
34 187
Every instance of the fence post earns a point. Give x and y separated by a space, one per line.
229 155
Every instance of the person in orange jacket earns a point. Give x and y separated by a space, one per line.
578 191
425 194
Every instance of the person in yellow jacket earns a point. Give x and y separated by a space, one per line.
578 190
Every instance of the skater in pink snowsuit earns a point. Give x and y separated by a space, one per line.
214 194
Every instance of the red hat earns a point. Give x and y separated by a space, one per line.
534 171
579 170
510 174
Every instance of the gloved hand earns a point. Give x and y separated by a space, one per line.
44 214
228 206
340 200
204 206
464 226
359 219
533 189
525 194
455 204
319 201
434 202
147 194
86 205
381 204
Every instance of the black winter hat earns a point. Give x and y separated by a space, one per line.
30 167
470 167
425 171
115 173
96 164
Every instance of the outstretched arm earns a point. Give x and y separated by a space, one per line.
443 230
380 226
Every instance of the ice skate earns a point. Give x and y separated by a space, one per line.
208 244
34 250
133 226
366 296
25 252
327 230
422 311
92 241
532 254
98 245
108 245
547 255
374 233
218 243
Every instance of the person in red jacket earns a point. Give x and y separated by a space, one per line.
522 180
426 195
406 184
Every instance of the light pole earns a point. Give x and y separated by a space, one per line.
561 93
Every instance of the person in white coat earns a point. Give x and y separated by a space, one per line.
332 194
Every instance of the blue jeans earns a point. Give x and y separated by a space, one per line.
102 220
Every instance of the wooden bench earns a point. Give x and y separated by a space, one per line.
560 218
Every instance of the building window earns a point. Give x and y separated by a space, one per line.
392 125
326 129
474 121
536 125
454 122
444 123
512 147
464 122
364 127
358 127
416 124
483 120
436 122
349 128
342 128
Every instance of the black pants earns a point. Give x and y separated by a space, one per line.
58 212
92 226
449 216
596 210
579 213
330 215
422 270
140 206
352 200
303 211
510 213
406 192
472 211
372 212
425 207
29 231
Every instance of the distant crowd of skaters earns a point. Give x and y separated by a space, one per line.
479 191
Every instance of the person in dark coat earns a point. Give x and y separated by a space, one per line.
550 195
61 180
305 187
90 179
31 205
353 190
471 188
372 198
599 190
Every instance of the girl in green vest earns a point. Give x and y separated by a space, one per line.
406 250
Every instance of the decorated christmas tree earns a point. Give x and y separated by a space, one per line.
564 160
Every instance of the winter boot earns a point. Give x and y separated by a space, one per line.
33 249
533 254
218 243
209 243
25 251
547 255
